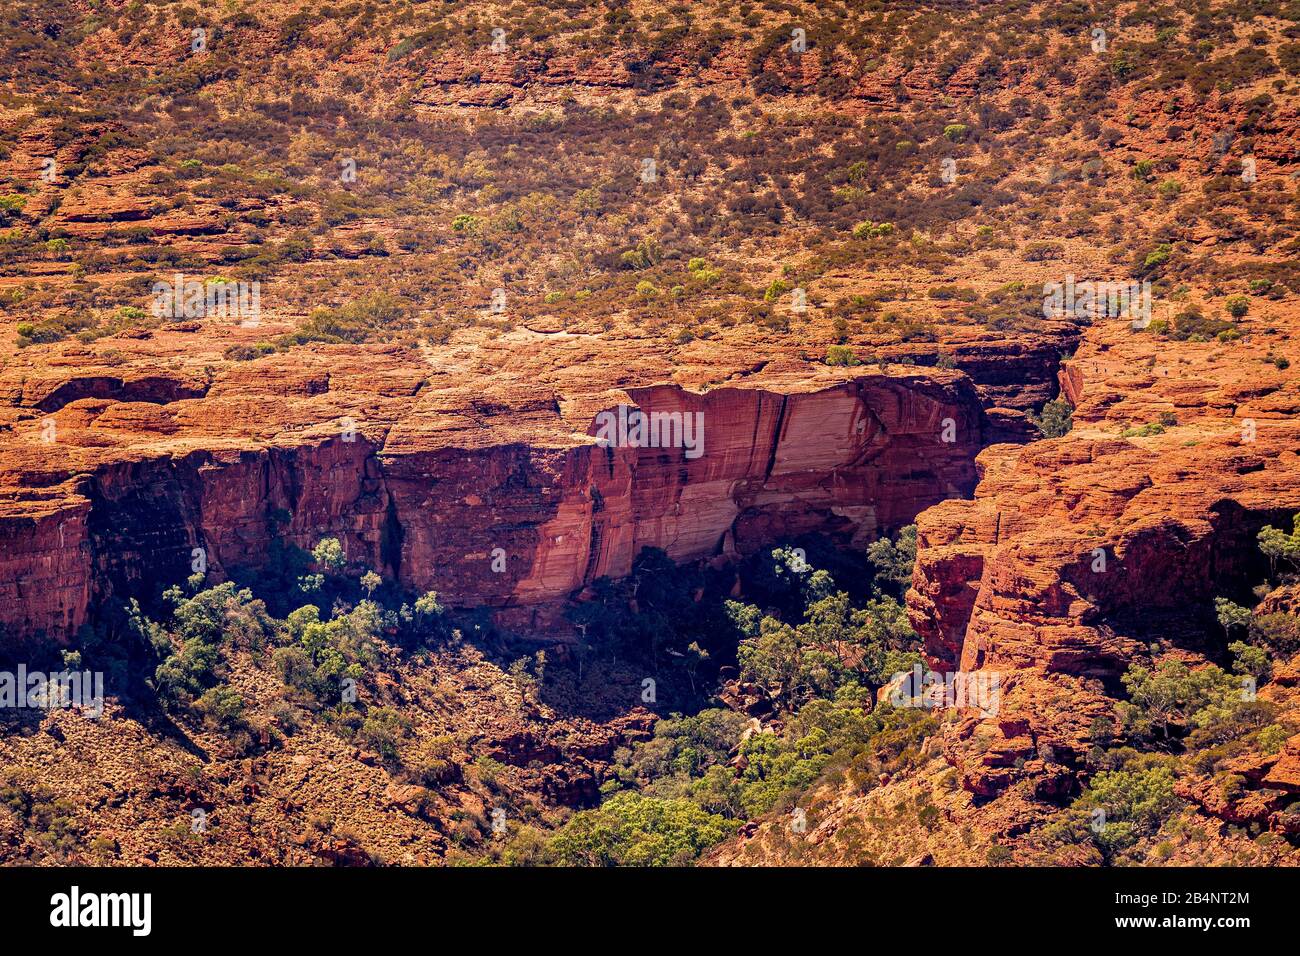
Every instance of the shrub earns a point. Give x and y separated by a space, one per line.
427 606
222 707
1056 418
686 746
53 329
47 819
999 855
1272 737
871 230
1135 802
1144 431
1174 698
382 731
247 353
1040 251
944 293
11 206
1157 257
1193 326
1280 633
841 355
374 316
1237 305
774 291
630 829
433 763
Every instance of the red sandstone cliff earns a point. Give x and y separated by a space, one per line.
425 492
1079 552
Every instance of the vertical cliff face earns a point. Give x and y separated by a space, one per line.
45 575
519 526
850 461
1072 560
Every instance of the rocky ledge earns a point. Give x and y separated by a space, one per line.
476 469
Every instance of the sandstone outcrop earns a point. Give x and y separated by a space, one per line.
442 478
1076 554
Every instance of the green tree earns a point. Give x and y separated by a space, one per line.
1231 616
629 829
1251 660
1136 802
1174 697
841 355
428 606
894 560
328 555
222 706
773 661
1277 545
684 747
191 644
1056 418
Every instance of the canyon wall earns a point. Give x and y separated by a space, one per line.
514 524
1079 555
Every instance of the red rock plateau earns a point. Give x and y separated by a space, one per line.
469 247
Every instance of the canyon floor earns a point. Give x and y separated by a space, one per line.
309 318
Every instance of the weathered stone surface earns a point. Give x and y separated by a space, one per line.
1076 553
424 472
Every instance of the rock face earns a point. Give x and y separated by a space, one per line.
1078 553
850 460
511 504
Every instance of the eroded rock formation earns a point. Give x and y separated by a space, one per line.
498 500
1077 553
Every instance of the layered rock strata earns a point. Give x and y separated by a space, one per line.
493 496
1079 554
